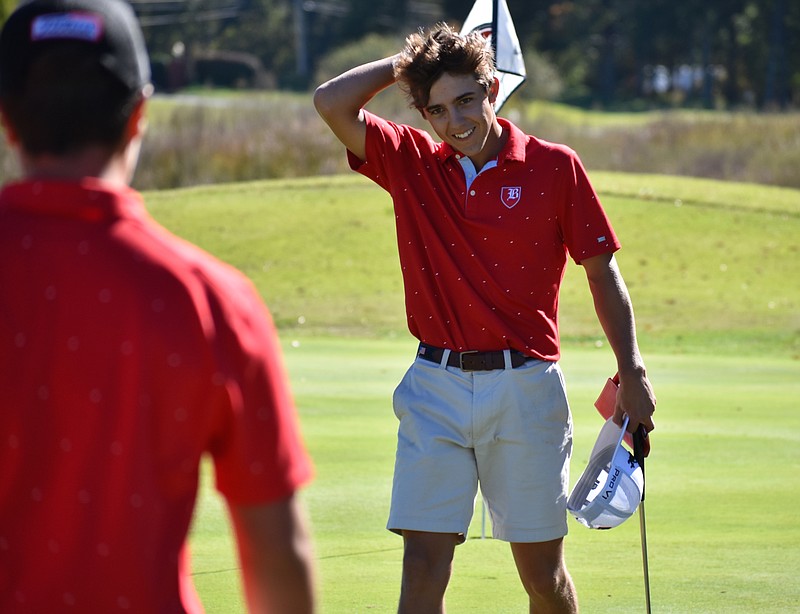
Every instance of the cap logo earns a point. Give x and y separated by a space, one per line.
67 26
611 484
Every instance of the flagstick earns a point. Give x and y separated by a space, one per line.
492 20
494 29
483 518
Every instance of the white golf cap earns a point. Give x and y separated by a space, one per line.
610 488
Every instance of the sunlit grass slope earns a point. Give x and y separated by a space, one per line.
713 271
711 266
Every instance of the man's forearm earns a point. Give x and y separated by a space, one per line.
615 313
275 552
340 100
351 90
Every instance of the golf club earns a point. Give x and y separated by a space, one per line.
639 441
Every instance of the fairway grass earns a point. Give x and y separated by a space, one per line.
721 503
712 268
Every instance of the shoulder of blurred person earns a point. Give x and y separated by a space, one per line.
184 355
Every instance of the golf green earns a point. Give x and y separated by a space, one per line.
721 499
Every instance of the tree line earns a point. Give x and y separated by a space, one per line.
602 53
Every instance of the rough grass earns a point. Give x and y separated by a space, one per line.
749 147
200 140
213 137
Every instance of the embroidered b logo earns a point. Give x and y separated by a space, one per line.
510 196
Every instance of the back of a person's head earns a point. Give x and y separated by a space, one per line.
427 56
68 104
71 73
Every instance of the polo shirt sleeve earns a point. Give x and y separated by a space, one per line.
386 145
257 448
586 229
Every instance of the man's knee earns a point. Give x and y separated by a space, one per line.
542 582
428 556
427 564
544 575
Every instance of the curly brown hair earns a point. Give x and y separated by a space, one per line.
427 56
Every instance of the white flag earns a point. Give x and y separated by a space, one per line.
508 55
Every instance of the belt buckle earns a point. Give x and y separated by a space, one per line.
461 360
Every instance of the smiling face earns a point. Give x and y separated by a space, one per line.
461 112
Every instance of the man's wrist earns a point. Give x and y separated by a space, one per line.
634 369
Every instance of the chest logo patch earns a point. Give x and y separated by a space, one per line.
510 196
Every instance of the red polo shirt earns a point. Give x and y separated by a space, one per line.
125 355
482 266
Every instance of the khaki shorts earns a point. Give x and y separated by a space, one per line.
509 430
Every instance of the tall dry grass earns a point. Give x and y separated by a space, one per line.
757 148
204 139
196 140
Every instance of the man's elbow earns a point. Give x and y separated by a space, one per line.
324 100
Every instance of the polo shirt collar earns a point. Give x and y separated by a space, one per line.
90 199
513 150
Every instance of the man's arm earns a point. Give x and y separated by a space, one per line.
612 304
276 556
340 100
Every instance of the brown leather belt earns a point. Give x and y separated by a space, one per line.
473 361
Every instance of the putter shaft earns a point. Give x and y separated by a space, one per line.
639 442
645 567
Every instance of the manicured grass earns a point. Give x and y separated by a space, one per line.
720 502
712 270
711 266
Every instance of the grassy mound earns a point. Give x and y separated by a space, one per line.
711 266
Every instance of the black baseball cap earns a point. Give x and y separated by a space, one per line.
107 29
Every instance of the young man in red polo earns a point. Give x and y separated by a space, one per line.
126 354
486 220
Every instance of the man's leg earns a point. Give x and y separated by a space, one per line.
545 577
427 564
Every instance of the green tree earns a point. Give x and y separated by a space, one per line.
604 51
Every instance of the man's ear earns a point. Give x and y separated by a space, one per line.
11 134
137 122
494 89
